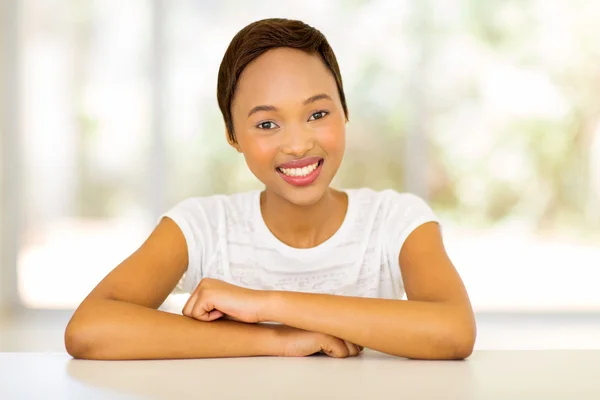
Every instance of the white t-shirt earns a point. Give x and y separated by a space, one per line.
227 239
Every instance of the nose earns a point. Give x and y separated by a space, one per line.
297 141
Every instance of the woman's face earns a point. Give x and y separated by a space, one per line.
289 123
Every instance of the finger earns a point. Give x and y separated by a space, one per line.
336 348
202 309
352 349
360 348
189 305
205 311
213 315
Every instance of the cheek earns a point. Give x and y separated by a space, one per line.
260 153
333 140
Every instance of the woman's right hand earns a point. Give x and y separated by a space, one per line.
293 342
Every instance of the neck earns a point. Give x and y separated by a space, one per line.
303 226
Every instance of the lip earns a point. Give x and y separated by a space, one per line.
302 180
301 163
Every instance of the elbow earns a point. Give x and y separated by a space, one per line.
462 349
456 343
452 341
460 342
78 341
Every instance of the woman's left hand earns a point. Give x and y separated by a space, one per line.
213 299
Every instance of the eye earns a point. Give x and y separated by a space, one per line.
318 115
267 125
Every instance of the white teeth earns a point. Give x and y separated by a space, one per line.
299 171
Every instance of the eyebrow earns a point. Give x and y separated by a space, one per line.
311 99
316 97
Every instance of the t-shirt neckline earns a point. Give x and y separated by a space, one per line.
310 252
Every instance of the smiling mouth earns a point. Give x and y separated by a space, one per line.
300 172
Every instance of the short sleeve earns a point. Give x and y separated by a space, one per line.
190 217
406 212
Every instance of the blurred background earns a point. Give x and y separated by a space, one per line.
488 109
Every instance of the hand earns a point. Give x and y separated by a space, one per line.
213 299
294 342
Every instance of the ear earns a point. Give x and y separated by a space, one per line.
232 143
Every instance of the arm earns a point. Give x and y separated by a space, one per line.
435 323
119 320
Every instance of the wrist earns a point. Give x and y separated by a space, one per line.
271 303
275 341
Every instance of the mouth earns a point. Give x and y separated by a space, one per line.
301 176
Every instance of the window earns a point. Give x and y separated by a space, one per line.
86 115
469 103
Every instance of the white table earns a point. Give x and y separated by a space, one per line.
485 375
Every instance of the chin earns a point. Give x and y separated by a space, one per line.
302 196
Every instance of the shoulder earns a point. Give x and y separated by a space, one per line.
405 205
390 202
213 210
399 213
230 202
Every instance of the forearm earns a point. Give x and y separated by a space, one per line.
116 330
412 329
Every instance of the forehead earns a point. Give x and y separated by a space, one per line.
282 76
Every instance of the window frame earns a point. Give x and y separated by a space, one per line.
11 156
